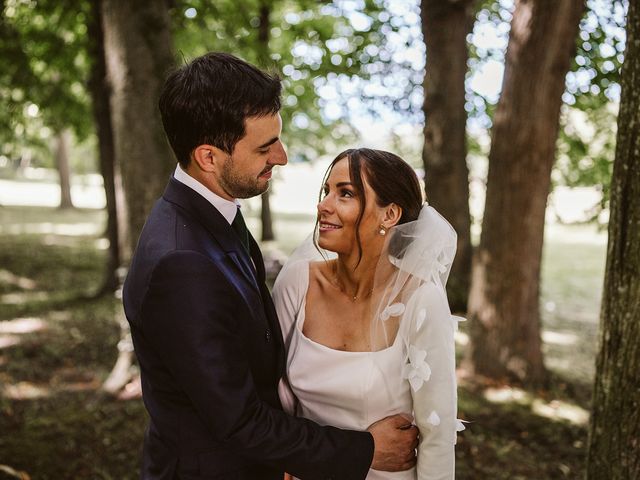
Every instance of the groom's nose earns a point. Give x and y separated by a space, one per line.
279 154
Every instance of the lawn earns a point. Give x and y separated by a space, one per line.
58 344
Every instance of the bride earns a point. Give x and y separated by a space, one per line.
364 312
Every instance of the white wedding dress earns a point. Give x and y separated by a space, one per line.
414 374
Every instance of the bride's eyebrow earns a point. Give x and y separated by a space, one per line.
339 184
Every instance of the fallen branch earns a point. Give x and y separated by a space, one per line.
14 473
122 371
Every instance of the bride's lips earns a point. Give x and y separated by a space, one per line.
328 227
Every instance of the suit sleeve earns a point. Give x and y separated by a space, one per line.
194 314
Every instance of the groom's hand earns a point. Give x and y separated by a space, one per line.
395 440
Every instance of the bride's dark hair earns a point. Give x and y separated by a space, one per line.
390 177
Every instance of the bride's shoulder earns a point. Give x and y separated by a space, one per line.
321 274
292 275
302 272
322 268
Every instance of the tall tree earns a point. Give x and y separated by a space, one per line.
614 444
264 26
445 26
503 302
67 34
63 142
100 95
139 54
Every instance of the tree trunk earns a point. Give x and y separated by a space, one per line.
503 302
138 52
614 443
266 219
100 92
445 26
62 164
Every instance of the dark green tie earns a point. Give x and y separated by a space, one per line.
241 229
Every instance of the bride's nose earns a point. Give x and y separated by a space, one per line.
323 205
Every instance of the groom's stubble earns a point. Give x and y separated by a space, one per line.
240 185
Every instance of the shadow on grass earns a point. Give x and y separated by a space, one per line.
54 424
510 441
73 435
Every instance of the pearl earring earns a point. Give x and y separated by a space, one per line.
383 230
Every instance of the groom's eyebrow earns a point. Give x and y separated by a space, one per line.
269 142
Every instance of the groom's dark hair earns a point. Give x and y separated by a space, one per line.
208 100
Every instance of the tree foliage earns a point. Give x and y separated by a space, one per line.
587 137
339 60
43 72
328 53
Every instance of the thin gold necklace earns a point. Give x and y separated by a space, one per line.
353 298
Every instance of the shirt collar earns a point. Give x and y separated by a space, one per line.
228 208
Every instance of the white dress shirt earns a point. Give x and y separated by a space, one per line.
228 208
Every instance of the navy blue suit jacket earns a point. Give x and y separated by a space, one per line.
211 354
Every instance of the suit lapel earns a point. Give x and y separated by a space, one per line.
253 273
267 301
207 215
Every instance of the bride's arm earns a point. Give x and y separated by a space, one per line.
435 398
287 299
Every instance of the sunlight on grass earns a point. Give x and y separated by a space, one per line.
583 234
43 220
8 341
20 298
554 409
559 410
101 243
60 316
76 229
22 325
25 391
21 282
559 338
571 290
507 395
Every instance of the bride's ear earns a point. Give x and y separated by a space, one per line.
392 215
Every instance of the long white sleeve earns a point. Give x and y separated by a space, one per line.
288 295
431 370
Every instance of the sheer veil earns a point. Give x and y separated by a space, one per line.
414 254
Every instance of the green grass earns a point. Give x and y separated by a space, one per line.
55 423
572 280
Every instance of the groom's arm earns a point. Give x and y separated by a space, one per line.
200 340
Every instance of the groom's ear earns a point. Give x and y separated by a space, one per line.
207 157
392 215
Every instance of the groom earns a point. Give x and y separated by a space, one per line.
203 323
